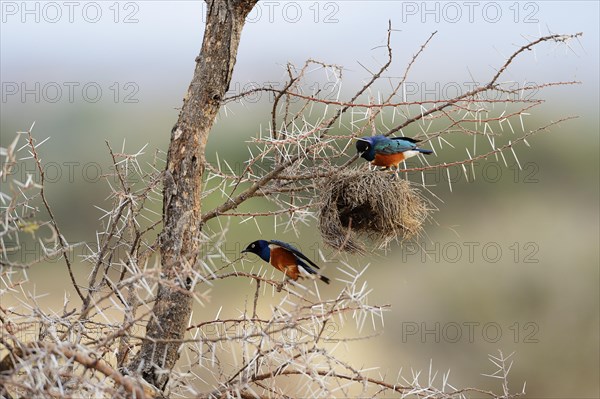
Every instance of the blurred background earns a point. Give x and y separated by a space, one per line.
512 260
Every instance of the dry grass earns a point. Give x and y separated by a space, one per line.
358 204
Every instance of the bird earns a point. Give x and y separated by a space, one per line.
388 151
284 257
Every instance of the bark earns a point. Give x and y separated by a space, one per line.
180 238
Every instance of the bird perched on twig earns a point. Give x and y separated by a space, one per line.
284 257
388 151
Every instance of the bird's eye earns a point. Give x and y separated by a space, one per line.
253 245
366 147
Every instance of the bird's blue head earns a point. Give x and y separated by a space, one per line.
260 248
365 146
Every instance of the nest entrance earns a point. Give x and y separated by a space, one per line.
358 204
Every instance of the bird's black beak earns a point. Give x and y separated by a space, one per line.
244 251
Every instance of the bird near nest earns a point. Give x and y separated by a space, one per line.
284 257
388 151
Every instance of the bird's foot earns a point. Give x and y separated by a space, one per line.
279 286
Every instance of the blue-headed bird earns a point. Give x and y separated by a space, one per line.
388 151
284 257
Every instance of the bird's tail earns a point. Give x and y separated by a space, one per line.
309 270
424 151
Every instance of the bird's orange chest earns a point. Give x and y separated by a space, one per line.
388 159
280 258
285 262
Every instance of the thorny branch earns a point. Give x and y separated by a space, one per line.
61 240
283 328
310 141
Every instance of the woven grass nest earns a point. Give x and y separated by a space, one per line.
358 204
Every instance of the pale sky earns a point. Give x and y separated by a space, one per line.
92 42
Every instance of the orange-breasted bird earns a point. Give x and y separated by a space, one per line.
388 151
285 258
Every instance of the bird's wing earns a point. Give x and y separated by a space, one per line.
406 139
394 146
293 250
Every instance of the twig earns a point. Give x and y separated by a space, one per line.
61 240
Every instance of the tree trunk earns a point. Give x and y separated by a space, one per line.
180 238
